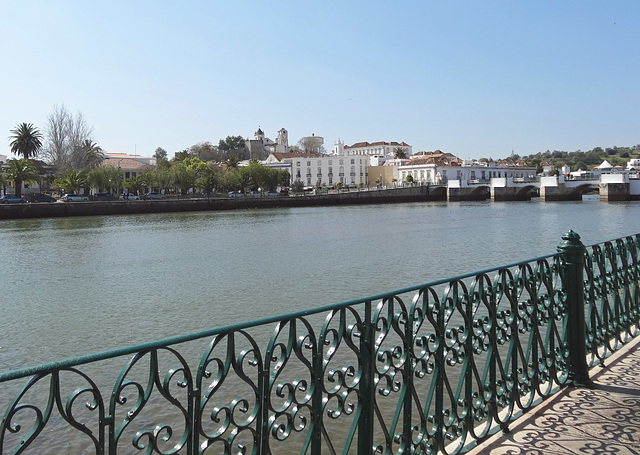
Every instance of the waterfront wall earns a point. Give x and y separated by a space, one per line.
60 209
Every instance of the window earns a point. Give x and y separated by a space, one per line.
308 163
353 161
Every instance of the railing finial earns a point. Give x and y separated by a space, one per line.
572 275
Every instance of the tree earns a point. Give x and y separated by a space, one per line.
409 178
87 155
179 157
65 132
208 180
233 145
230 179
160 178
312 144
26 140
232 162
160 154
72 181
108 178
135 184
3 181
19 171
206 151
186 173
272 178
297 186
254 175
400 153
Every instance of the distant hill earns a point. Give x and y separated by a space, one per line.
617 156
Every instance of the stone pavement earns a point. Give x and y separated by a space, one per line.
598 421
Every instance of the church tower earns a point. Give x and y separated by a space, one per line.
283 138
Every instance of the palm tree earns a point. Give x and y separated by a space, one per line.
19 171
232 162
26 140
87 155
135 184
71 181
400 153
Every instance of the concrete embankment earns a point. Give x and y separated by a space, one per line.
62 209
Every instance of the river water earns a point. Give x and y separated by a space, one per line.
75 286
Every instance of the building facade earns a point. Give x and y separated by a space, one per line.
322 170
437 169
382 149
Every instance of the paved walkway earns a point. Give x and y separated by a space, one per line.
599 421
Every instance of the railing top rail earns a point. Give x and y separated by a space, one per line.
53 366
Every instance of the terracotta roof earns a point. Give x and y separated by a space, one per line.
374 144
284 156
122 155
438 160
128 163
511 163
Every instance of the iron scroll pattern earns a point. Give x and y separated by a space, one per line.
428 369
612 296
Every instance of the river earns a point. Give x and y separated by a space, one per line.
74 286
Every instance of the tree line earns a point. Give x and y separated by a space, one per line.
72 160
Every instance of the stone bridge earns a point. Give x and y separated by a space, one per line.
612 187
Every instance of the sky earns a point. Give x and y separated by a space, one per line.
472 78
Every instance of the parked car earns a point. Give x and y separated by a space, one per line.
10 199
72 197
104 197
130 197
40 197
153 195
235 194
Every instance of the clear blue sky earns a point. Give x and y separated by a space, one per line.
474 78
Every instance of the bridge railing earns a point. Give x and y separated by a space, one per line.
434 367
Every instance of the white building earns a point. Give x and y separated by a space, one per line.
633 163
321 170
437 169
384 149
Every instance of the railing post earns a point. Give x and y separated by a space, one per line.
367 387
572 277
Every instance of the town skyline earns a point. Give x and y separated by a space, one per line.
472 80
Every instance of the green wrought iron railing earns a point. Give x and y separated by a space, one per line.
428 369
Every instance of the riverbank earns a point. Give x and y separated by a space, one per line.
61 209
